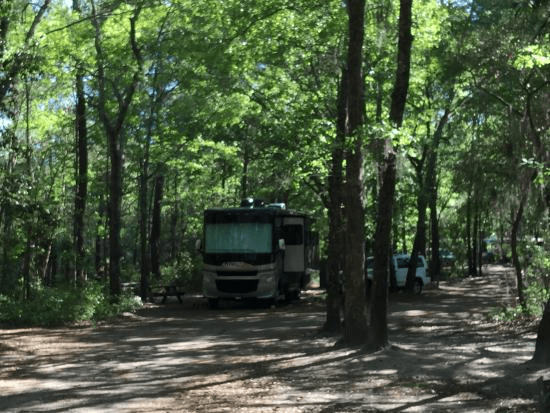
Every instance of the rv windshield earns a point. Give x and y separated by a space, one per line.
241 237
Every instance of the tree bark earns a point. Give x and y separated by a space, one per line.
469 242
156 226
475 234
143 213
435 267
542 345
382 251
114 211
81 178
355 315
432 189
113 123
420 234
526 188
355 312
404 45
336 242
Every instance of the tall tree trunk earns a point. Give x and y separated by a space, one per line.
382 250
100 238
143 214
468 228
379 326
435 267
419 242
475 234
401 85
526 188
514 251
156 226
29 224
542 345
81 133
113 123
26 268
355 312
114 213
432 188
336 243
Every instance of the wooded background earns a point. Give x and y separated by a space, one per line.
121 121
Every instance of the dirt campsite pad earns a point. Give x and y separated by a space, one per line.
445 357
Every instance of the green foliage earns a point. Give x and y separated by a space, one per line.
185 271
537 281
537 278
55 305
532 56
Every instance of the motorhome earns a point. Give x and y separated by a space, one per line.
256 251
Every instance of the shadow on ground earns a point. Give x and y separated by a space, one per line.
445 356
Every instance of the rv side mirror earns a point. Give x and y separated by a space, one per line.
282 246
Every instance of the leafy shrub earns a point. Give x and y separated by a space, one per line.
185 271
537 285
56 305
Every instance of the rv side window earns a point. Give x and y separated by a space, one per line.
293 234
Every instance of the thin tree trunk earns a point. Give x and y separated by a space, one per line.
475 233
435 267
432 188
514 239
26 269
420 234
471 269
336 243
155 227
81 173
143 213
114 211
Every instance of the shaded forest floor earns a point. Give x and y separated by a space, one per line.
445 357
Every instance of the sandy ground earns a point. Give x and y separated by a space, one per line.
445 356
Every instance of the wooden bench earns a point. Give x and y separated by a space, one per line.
157 290
165 291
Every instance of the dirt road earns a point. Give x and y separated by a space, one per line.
445 357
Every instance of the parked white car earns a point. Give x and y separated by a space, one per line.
400 265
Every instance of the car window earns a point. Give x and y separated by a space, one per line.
402 262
